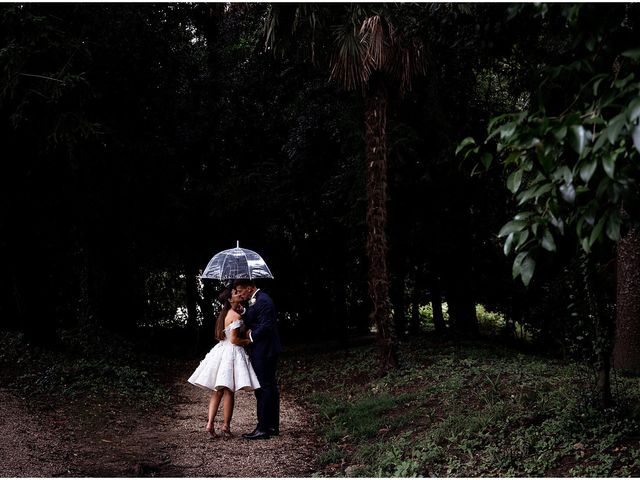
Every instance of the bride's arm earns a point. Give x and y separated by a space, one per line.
235 333
236 339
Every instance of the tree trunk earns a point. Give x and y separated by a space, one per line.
191 290
398 302
596 289
436 307
626 353
376 186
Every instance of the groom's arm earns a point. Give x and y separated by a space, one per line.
265 322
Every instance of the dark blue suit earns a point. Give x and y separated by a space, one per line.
260 318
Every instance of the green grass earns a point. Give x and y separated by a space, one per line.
464 411
85 367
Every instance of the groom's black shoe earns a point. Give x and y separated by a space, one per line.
257 435
274 432
245 435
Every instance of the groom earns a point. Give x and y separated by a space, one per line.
260 319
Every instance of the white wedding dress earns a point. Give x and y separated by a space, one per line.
226 366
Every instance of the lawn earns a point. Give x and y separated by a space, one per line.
463 410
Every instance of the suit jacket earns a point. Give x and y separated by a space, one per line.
261 319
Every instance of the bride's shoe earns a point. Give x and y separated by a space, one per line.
225 430
211 430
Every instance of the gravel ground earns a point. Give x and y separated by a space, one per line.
94 440
27 447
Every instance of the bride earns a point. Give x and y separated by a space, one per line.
226 368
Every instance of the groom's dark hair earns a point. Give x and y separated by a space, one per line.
244 282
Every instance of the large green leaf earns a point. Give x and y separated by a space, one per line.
465 143
609 164
634 53
526 269
509 243
636 137
486 160
597 230
517 264
514 181
600 141
522 238
512 226
548 243
560 133
578 138
587 168
633 110
613 227
568 192
615 126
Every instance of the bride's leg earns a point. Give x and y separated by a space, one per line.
214 403
227 409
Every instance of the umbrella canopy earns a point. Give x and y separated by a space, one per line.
237 263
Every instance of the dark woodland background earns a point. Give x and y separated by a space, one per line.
140 139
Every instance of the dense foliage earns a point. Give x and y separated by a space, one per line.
140 139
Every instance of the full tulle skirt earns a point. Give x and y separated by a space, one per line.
225 366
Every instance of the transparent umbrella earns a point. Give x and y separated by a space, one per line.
237 263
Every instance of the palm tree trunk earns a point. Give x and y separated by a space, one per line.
376 186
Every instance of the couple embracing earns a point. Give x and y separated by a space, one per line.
245 358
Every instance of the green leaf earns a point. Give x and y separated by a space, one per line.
568 192
509 243
486 160
513 156
623 81
596 84
613 227
517 264
526 270
633 110
597 230
464 143
609 164
558 223
587 168
526 195
522 215
560 133
634 53
543 189
636 137
522 237
514 181
507 130
546 161
615 126
578 138
513 226
600 139
548 243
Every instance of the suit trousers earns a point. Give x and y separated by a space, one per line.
268 395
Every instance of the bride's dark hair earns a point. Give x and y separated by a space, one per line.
223 297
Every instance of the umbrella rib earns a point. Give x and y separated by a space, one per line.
222 267
248 267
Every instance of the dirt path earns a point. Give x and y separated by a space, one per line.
108 443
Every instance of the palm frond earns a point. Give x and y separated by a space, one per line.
408 61
347 66
377 34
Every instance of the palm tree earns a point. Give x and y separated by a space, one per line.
372 53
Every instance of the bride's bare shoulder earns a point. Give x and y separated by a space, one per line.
231 317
